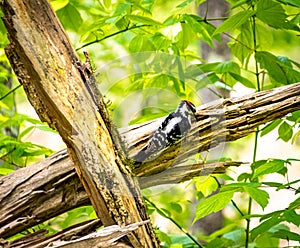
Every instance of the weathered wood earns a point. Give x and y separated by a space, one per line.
106 237
81 235
59 88
39 238
17 197
229 120
46 189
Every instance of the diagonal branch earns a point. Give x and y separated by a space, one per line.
25 194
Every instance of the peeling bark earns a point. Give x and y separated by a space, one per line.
58 86
26 194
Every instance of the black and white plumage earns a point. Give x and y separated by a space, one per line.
173 128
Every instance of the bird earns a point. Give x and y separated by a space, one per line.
174 127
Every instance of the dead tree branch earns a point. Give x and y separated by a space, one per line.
26 194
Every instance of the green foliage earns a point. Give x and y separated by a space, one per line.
159 40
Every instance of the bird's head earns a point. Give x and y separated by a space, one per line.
186 107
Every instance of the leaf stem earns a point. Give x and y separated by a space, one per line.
134 27
160 212
248 220
111 35
237 208
10 92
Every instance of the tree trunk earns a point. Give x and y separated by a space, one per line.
61 90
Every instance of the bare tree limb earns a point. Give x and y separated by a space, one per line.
106 237
51 187
26 194
80 235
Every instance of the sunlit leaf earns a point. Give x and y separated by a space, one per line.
269 127
213 204
5 171
176 207
58 4
258 195
136 44
295 204
241 47
295 3
287 235
265 226
199 27
268 167
184 3
246 82
285 131
206 185
70 17
271 13
234 21
276 69
144 20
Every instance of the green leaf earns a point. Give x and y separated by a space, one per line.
285 131
266 239
234 21
206 80
238 3
122 23
185 3
246 82
228 66
160 42
58 4
295 117
213 204
269 127
144 20
270 166
271 13
295 204
273 65
209 67
184 37
273 184
244 176
70 17
265 226
163 237
287 235
292 217
5 171
122 9
176 207
239 187
258 195
171 20
24 132
295 3
199 27
206 185
226 69
136 44
241 47
46 128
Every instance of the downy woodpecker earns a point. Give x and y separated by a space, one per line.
173 128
